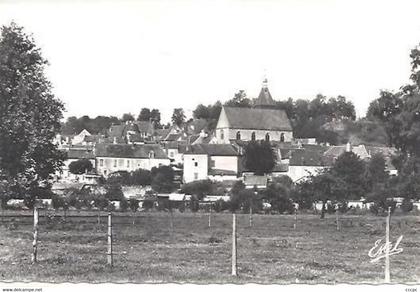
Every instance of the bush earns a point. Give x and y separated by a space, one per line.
100 202
4 200
181 207
220 206
148 204
194 205
141 177
343 207
407 206
134 204
123 204
80 166
114 192
57 202
199 188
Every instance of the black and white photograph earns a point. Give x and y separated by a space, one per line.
230 144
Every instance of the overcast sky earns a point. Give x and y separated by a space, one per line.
111 57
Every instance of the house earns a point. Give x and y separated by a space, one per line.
128 157
175 152
75 153
307 161
210 161
131 132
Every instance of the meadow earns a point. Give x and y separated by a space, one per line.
148 248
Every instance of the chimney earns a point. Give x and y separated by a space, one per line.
115 140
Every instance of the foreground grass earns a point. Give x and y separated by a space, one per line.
270 251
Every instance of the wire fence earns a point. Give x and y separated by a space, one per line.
110 236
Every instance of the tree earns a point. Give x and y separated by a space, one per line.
141 177
163 179
178 117
144 114
200 188
29 114
386 109
239 100
325 187
201 112
259 157
127 117
155 117
376 170
279 197
350 169
80 166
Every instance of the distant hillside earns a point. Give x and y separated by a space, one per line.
357 132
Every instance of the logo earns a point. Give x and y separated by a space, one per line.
379 250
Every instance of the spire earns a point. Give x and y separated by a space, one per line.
264 98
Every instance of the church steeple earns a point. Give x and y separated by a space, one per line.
264 98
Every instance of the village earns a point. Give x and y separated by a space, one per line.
238 143
196 154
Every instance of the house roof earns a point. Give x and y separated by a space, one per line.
335 151
121 130
305 157
258 119
196 126
145 127
129 151
213 149
80 153
214 171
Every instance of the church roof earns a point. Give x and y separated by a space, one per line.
264 98
258 119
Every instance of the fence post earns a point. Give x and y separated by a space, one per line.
109 254
35 242
99 216
337 222
210 217
250 215
295 224
234 266
171 218
387 269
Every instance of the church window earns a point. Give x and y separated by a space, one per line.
238 135
222 135
282 137
267 137
151 154
253 136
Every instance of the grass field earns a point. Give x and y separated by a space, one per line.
270 251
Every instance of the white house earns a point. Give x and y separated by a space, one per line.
210 161
125 157
74 154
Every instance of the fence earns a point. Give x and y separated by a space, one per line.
244 234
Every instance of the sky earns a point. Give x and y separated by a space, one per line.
113 57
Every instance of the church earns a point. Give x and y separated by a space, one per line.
261 122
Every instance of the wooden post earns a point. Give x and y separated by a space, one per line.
234 270
295 224
172 217
99 216
387 270
210 217
35 242
109 254
337 222
250 215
